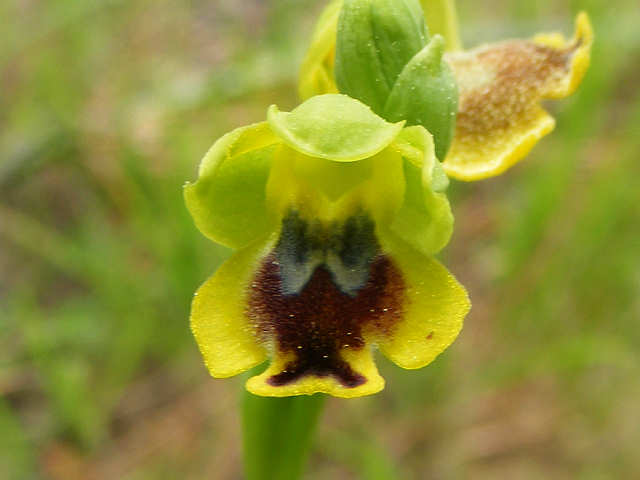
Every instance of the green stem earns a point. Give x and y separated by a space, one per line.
277 434
442 18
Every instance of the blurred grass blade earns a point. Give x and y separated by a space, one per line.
28 158
364 454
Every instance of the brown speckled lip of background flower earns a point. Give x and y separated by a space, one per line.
322 319
501 83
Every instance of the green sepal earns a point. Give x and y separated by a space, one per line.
426 94
334 127
376 38
227 202
424 219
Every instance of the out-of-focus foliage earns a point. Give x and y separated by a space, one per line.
106 108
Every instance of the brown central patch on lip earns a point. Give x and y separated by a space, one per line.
321 320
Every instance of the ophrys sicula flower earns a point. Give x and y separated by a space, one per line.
335 214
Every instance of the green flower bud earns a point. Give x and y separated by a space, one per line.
384 58
425 93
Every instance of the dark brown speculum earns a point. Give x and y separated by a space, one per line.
322 290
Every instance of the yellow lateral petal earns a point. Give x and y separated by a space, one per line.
360 360
435 307
218 318
501 86
424 219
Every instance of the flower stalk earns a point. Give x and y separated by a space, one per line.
277 434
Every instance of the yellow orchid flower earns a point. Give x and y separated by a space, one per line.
335 214
500 87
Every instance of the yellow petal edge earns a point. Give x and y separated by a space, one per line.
360 360
435 307
218 319
583 38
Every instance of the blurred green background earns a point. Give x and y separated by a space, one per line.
106 107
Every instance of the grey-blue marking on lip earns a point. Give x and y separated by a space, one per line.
346 249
